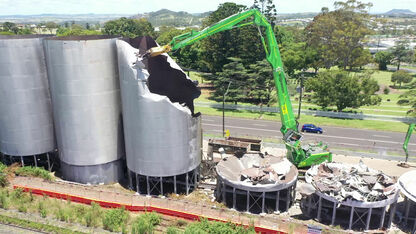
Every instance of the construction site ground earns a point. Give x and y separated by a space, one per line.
202 202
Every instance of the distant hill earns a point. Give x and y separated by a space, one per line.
400 13
60 18
173 18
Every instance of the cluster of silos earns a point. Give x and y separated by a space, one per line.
84 84
163 136
26 123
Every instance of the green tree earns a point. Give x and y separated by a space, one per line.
129 27
237 74
293 57
9 26
268 9
408 98
75 30
261 82
218 47
401 52
167 33
51 25
400 77
383 58
339 35
343 90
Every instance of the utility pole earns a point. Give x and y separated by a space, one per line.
223 104
300 95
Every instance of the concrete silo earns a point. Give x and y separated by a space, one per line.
83 77
163 135
26 123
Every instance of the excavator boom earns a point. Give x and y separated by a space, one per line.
300 156
407 139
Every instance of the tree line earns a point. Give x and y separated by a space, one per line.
333 39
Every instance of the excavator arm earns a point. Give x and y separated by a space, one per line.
407 139
300 156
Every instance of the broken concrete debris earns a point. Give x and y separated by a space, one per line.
356 182
266 173
253 169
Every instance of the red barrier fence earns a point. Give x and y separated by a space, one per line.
165 211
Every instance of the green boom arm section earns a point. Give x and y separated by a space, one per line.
300 156
407 139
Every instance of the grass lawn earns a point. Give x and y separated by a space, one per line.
196 76
388 106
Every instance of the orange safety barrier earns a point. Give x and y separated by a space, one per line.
106 204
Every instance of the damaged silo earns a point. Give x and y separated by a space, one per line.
256 183
84 84
162 134
26 124
352 196
407 185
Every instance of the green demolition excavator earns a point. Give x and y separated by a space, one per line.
301 156
407 139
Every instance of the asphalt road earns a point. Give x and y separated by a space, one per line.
337 137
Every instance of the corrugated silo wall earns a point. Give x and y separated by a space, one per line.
26 124
84 84
163 139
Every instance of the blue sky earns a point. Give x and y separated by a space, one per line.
25 7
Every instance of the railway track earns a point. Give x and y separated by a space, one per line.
29 230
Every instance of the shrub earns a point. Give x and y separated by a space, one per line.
4 200
180 223
172 230
3 175
34 172
22 208
145 223
64 214
386 90
93 215
17 193
114 219
205 226
42 209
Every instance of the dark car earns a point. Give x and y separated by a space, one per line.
312 128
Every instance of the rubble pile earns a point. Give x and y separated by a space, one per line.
257 169
265 172
351 182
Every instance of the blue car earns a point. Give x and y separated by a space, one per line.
312 128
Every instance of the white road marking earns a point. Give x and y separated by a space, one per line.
382 136
260 125
228 126
209 120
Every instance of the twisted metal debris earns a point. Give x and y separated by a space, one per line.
351 182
